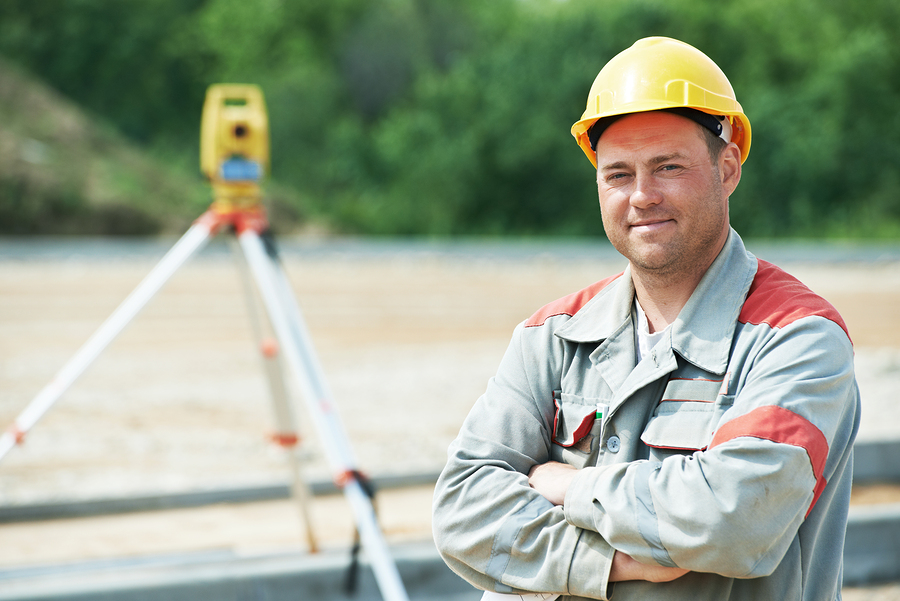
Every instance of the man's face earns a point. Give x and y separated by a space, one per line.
664 202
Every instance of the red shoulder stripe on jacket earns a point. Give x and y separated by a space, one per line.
782 426
569 305
778 299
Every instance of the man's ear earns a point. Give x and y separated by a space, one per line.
730 167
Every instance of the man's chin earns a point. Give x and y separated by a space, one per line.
651 257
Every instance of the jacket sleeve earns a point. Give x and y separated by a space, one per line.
489 525
735 507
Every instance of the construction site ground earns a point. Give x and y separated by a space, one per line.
408 335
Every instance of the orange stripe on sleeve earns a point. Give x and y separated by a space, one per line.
782 426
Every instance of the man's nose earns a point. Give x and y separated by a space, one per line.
645 193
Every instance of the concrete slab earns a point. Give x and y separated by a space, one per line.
876 461
226 577
158 502
872 546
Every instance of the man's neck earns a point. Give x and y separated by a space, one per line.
661 306
663 296
663 293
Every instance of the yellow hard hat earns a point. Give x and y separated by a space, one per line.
661 73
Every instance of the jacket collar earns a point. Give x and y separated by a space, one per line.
703 330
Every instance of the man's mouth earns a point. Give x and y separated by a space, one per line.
650 225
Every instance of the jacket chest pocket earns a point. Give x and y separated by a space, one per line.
686 417
576 429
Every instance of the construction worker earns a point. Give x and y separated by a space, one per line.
682 430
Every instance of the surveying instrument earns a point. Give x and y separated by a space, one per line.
234 156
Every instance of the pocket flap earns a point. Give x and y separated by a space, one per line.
686 416
688 428
572 422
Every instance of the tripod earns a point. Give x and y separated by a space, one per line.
247 219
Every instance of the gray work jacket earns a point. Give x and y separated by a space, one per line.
726 451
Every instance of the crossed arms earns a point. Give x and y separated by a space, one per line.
552 480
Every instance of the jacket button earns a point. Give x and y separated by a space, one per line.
613 444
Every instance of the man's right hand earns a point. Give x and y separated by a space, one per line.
625 567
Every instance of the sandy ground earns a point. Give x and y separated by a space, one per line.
407 341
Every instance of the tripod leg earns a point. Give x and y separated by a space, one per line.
301 358
193 240
285 422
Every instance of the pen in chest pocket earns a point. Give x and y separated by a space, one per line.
599 415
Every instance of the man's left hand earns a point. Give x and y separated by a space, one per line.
552 480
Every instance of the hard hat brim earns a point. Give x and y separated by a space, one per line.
740 136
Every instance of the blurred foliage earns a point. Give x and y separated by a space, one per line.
442 117
63 173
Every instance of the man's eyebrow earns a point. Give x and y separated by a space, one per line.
663 158
616 165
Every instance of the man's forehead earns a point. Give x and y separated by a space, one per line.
652 119
655 133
